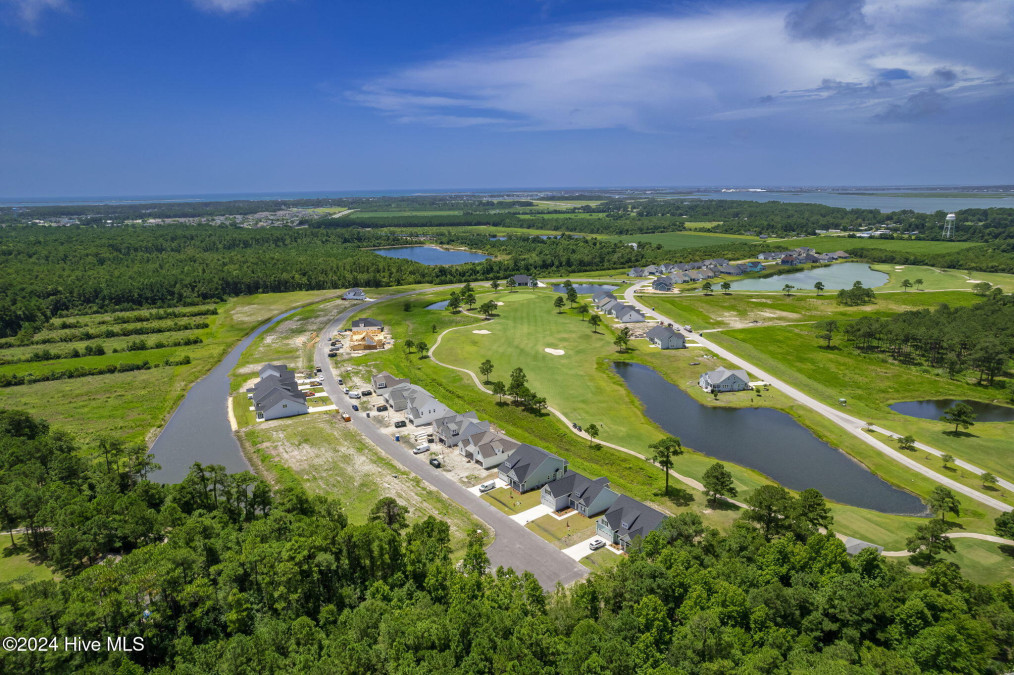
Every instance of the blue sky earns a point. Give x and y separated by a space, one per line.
203 96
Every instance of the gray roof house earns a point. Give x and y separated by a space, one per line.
488 449
524 280
729 269
574 491
723 379
607 307
666 338
419 405
636 272
626 520
662 284
354 294
604 299
274 369
771 255
385 380
530 467
626 314
367 322
279 403
454 429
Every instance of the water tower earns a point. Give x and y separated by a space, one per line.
949 226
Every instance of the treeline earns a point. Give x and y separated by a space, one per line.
994 257
612 223
219 574
979 337
26 337
17 380
135 317
98 349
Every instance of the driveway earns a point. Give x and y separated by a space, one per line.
850 424
583 550
514 545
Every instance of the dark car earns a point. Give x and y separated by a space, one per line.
381 408
366 392
435 463
400 425
356 408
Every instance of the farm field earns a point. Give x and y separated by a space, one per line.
130 405
870 383
585 390
327 457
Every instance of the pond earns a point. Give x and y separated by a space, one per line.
932 410
199 430
431 255
834 277
438 305
764 439
585 289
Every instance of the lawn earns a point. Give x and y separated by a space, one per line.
563 533
983 562
328 457
510 502
871 382
16 563
601 560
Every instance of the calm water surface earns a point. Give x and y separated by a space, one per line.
764 439
199 430
932 410
585 289
834 277
438 305
885 203
431 255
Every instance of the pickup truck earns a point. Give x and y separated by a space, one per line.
400 424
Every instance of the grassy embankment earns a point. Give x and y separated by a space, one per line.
580 386
321 452
130 405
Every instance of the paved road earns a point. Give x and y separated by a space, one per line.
850 424
514 545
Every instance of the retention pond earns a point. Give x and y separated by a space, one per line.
431 255
767 440
932 410
834 277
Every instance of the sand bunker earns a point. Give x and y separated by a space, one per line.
481 332
973 281
554 352
499 303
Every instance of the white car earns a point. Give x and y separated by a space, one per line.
420 449
355 394
596 544
486 487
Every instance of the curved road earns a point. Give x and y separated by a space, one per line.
850 424
514 546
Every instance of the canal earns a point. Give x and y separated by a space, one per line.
767 440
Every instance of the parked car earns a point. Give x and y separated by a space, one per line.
354 395
435 463
332 354
596 544
366 392
381 408
688 329
340 380
420 449
346 389
486 487
400 424
356 408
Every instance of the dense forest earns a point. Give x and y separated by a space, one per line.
50 272
979 337
220 574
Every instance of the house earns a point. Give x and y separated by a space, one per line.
803 250
627 520
523 280
764 236
607 307
723 379
368 339
529 468
662 284
274 369
707 273
666 338
626 313
354 294
386 380
806 259
840 255
602 297
731 270
636 272
279 403
488 449
575 491
771 255
651 270
695 275
418 404
367 322
789 260
754 266
681 277
455 428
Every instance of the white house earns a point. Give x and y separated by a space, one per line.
354 294
723 379
488 449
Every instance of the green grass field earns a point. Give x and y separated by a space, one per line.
826 243
601 560
935 279
563 533
511 502
16 564
131 405
679 240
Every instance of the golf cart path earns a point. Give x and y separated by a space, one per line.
850 424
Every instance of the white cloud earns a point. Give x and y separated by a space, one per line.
654 73
228 6
29 12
